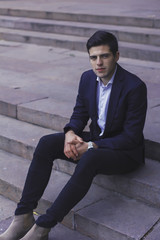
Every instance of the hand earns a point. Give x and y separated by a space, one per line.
71 139
81 149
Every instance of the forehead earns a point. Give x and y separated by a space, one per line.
97 50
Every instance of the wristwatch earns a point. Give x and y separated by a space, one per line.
90 145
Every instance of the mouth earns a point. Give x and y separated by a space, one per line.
100 69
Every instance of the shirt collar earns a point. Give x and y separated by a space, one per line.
110 81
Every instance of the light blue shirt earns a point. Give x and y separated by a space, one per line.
103 96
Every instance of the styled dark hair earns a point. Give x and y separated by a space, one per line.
103 38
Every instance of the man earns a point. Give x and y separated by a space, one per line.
115 101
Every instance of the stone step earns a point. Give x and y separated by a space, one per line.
124 33
58 232
121 218
142 184
139 51
20 138
6 211
35 108
48 39
148 22
129 50
52 114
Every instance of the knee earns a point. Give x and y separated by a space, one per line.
43 142
49 144
43 146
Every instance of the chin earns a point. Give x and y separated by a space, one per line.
101 75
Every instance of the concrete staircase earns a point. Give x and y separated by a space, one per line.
116 207
139 38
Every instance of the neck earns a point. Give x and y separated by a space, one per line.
105 81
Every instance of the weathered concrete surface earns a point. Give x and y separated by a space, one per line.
41 85
50 113
67 25
125 8
101 213
108 214
138 34
20 138
6 209
154 234
54 74
11 97
60 232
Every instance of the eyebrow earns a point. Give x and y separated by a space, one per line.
101 55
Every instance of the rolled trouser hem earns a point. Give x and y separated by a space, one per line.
43 222
17 212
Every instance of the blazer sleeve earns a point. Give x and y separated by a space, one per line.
131 134
80 115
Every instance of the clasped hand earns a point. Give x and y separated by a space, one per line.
74 146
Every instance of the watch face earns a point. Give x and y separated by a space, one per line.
90 145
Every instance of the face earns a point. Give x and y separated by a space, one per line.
103 62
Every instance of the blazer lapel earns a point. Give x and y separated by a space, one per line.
115 94
94 108
93 101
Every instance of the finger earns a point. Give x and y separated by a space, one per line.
67 150
73 142
76 141
80 139
66 154
70 151
74 151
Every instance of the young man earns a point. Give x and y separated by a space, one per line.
115 101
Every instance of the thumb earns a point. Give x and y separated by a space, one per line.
76 140
80 139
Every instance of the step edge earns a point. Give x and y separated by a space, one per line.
50 13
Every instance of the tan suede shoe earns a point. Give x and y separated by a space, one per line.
37 233
20 225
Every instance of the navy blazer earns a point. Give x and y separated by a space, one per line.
125 117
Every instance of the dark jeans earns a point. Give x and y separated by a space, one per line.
93 162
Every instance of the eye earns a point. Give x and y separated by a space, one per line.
105 55
93 58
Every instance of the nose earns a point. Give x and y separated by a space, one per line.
99 61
